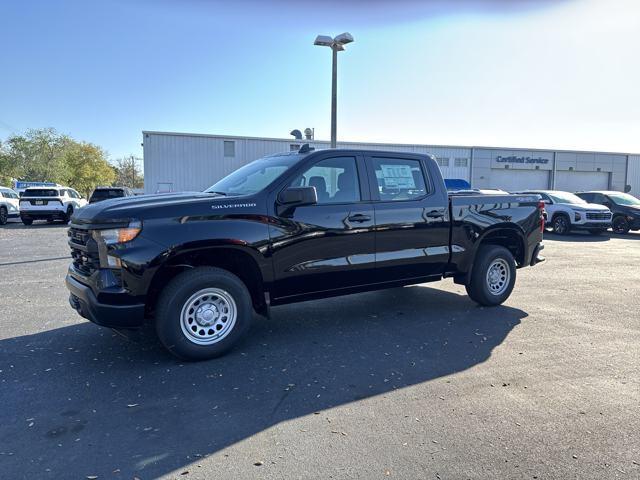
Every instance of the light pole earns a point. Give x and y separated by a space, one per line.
337 45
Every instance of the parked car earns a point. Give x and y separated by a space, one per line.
288 228
625 208
567 212
9 205
106 193
50 203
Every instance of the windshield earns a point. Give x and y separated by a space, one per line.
40 192
254 176
104 194
624 199
566 197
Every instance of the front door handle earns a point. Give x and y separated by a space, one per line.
435 214
358 218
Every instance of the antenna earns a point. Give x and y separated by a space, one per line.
305 148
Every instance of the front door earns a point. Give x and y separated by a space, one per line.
412 229
329 245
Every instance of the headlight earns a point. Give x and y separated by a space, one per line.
114 236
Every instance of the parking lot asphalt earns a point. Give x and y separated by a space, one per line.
416 382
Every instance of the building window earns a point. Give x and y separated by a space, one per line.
229 148
294 147
461 162
443 161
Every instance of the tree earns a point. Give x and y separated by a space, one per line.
37 156
88 167
128 172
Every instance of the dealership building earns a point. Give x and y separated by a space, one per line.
192 162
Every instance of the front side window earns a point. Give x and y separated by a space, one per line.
399 179
566 197
254 176
335 180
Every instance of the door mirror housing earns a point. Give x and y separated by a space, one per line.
298 196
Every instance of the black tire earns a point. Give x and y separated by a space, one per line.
561 224
620 225
68 215
179 293
478 288
596 231
4 216
27 221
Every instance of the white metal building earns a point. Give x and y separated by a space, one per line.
193 162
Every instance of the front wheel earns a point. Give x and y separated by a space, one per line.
68 215
4 216
203 313
561 225
620 225
493 276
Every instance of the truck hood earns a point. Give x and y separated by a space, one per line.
139 207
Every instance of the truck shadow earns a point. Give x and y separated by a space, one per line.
80 400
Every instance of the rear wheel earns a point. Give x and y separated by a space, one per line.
493 276
561 225
620 225
4 216
203 313
68 215
27 221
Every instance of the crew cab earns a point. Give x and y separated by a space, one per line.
9 205
625 208
287 228
567 212
49 203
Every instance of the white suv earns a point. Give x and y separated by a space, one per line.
49 203
566 212
9 205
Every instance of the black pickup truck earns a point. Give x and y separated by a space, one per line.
287 228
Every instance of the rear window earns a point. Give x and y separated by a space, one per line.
40 192
107 193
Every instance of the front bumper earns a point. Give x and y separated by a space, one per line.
591 226
114 315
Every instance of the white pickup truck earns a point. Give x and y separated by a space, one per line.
49 203
9 205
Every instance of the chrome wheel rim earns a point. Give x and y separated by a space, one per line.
208 316
498 276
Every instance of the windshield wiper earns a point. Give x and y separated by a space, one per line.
219 193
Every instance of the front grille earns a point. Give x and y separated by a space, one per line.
598 216
84 251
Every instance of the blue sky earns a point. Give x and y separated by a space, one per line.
561 74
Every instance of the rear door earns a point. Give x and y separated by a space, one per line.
412 228
330 245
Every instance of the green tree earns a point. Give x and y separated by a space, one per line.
8 169
87 167
128 172
37 155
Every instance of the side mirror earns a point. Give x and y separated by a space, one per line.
298 196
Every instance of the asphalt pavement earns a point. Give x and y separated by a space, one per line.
415 382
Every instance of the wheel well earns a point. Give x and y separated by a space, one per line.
509 239
237 262
560 213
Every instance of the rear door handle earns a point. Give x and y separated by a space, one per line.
359 218
435 214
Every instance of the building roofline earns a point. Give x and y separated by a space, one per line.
380 144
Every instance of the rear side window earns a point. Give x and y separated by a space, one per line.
399 179
40 192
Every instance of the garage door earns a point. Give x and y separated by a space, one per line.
570 181
513 180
